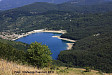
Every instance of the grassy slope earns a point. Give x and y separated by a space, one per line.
8 68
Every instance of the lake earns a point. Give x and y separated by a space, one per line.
55 45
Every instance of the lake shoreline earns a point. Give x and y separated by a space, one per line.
70 45
51 31
37 31
65 39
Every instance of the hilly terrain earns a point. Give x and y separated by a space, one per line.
30 17
89 25
84 8
40 7
88 2
9 4
14 68
94 51
12 58
17 45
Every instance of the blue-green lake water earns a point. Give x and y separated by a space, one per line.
55 45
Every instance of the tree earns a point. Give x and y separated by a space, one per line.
39 55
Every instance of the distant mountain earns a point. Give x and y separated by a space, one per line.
9 4
88 2
40 7
86 7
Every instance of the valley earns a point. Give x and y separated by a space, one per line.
85 27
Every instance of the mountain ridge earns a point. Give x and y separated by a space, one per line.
10 4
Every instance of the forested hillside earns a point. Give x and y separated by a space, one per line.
94 51
37 7
16 45
36 55
88 2
90 25
9 53
84 8
9 4
40 7
77 25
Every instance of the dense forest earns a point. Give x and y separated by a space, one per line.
77 25
94 51
16 45
11 54
90 25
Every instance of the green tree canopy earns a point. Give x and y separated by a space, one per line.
39 55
